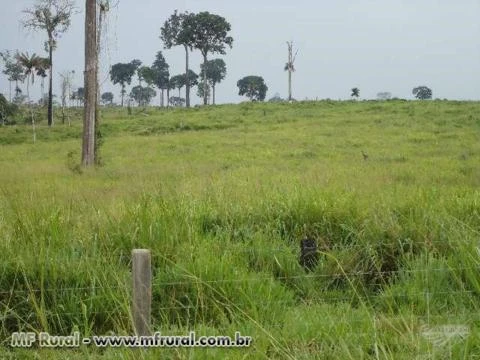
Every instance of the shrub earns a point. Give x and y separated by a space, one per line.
6 110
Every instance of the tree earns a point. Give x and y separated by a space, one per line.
161 75
177 82
146 74
107 98
13 70
210 35
216 72
103 7
384 95
355 92
178 31
276 98
191 79
78 95
422 93
142 95
176 101
29 64
122 74
171 86
53 16
289 66
253 87
66 86
91 55
6 109
201 88
180 80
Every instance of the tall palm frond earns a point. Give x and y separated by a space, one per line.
29 63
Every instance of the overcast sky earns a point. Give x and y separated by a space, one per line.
375 45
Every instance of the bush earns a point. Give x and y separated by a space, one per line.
6 110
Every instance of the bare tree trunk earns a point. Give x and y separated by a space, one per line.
168 97
42 89
10 91
98 134
213 94
289 85
88 147
187 82
162 93
31 113
205 85
123 93
50 85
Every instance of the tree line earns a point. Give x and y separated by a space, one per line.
205 32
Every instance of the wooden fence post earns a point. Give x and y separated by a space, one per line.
142 291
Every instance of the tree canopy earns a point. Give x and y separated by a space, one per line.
355 92
13 70
210 35
422 92
107 98
122 73
191 78
142 95
177 81
161 72
253 87
29 64
178 31
384 95
201 88
147 74
216 70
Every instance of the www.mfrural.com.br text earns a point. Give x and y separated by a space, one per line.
45 340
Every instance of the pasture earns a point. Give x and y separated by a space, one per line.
222 196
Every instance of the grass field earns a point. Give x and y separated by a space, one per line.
222 196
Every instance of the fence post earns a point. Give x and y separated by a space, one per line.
142 291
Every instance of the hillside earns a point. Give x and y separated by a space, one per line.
222 196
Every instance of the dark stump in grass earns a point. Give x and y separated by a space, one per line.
308 254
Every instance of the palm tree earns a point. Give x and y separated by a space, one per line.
42 67
29 64
355 92
53 17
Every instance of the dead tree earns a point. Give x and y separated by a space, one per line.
289 66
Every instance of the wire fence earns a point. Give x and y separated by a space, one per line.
353 293
190 279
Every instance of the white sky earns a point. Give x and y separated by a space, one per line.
375 45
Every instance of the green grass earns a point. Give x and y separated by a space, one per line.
222 196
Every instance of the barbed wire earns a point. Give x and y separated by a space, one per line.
372 318
215 303
253 278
